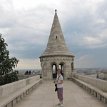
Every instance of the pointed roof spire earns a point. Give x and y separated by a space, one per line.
56 23
56 43
55 10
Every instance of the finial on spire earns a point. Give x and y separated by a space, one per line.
55 10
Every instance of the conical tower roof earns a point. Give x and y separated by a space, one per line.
56 43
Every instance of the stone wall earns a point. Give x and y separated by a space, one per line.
98 83
11 88
46 64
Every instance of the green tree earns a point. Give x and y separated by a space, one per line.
7 64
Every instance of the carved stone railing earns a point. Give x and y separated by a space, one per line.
11 94
94 86
98 83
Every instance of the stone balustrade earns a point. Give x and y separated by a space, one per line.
94 86
12 93
98 83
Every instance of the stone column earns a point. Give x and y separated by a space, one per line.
67 70
49 71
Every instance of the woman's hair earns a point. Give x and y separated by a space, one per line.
58 69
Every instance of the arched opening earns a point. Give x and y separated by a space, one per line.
61 66
72 66
54 70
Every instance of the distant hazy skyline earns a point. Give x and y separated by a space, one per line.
26 24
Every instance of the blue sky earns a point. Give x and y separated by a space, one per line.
26 24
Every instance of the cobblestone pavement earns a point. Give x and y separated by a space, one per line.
74 96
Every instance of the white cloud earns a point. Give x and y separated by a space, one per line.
85 61
26 25
29 64
91 41
99 40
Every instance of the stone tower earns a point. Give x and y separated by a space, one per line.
56 54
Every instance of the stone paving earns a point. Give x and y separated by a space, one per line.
74 96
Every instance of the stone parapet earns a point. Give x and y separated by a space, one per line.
99 94
8 89
12 93
98 83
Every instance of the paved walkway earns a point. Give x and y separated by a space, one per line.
74 96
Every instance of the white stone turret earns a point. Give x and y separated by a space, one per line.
56 43
56 54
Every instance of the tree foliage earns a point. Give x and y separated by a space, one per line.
7 64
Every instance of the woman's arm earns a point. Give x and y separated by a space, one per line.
60 82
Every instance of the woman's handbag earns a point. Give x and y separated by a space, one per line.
56 87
